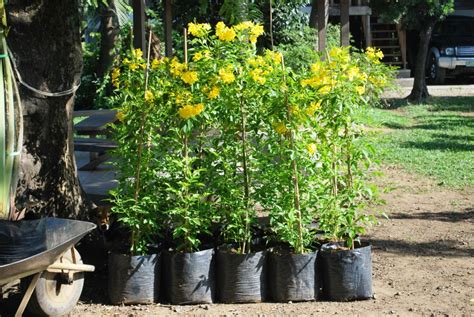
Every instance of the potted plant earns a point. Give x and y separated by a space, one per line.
241 262
290 184
189 264
345 83
135 264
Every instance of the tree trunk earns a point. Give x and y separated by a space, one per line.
420 91
108 34
45 40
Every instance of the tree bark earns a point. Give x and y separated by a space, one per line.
45 41
420 90
108 35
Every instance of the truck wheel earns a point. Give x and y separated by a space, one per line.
53 296
436 75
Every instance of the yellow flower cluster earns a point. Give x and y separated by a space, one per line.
374 54
116 77
190 111
340 55
177 68
199 29
214 93
189 77
225 33
257 75
137 53
149 97
226 74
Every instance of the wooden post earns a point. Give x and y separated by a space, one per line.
168 16
367 30
323 14
402 41
139 24
345 30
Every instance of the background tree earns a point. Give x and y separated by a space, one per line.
421 16
46 43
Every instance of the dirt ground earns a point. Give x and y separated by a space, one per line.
423 261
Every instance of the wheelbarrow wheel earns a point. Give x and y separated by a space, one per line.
54 294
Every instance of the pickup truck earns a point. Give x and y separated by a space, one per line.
451 50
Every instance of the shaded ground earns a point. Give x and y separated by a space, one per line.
422 261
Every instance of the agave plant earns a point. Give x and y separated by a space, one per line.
10 129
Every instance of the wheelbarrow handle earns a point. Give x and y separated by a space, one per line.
60 267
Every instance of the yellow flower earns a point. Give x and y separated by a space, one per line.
214 93
360 90
280 128
133 66
155 63
198 56
257 30
137 53
120 116
149 97
116 77
374 54
276 57
257 75
190 111
244 26
225 33
311 148
313 107
177 68
256 61
226 75
199 29
189 77
353 73
324 90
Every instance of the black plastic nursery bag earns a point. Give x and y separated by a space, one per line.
134 279
189 277
293 277
347 274
241 278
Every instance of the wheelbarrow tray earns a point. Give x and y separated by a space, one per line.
61 234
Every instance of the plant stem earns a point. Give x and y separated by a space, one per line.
187 247
140 147
334 168
294 176
349 158
245 173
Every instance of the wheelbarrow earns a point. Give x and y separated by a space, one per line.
56 275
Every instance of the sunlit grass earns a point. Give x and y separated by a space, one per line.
434 139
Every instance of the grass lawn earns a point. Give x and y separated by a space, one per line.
434 139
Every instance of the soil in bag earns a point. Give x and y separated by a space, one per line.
241 278
134 279
21 239
347 274
293 277
189 278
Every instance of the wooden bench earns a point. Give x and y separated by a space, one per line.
96 124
